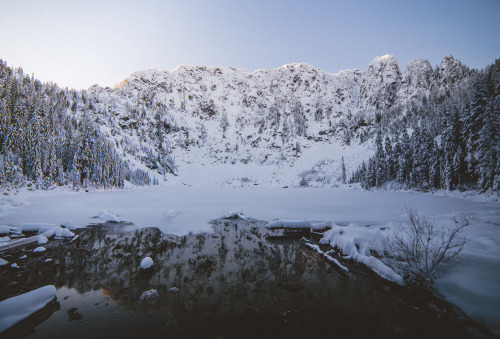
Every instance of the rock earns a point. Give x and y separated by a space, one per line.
146 263
149 295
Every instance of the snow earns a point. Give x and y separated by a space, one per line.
146 263
171 213
14 265
42 240
69 225
3 262
36 227
62 232
107 215
330 258
358 243
235 214
20 307
4 230
39 249
4 239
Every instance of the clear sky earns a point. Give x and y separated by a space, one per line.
80 43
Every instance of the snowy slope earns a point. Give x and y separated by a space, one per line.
295 116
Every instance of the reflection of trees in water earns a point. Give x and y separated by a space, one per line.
234 276
228 270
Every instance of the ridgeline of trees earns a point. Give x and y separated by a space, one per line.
456 147
42 143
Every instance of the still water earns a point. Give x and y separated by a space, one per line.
239 281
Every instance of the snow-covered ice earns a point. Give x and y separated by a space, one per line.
20 307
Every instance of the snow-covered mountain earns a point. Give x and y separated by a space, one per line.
283 125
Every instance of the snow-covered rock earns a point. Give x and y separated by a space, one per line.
3 262
41 240
39 250
69 225
146 263
20 307
226 116
173 290
107 215
62 232
149 295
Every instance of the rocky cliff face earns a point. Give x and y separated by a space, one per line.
226 115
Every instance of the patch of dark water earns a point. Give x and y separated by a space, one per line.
241 281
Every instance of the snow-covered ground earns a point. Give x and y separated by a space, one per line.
473 285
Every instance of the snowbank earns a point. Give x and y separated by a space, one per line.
358 243
20 307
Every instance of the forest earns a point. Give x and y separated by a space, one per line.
454 144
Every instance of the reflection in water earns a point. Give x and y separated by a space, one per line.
232 283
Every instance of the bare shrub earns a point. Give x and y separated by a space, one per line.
422 250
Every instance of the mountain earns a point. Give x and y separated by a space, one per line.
289 126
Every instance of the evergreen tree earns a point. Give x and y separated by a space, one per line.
344 174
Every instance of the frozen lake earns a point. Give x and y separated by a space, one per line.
473 285
180 210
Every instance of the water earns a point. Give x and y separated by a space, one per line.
240 281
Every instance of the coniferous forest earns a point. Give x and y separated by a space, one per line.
454 144
42 145
444 135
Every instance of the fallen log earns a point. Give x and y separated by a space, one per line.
26 241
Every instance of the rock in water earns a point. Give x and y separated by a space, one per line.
149 295
146 263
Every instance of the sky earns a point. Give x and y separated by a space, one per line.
80 43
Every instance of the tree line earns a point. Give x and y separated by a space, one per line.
44 143
460 149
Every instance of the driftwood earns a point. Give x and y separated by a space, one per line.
21 242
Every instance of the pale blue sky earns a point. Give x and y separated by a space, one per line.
79 43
